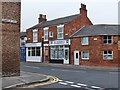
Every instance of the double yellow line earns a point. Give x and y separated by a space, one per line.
51 81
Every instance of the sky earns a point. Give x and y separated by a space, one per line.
99 11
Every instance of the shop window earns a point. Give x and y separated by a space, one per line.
37 51
29 51
57 52
85 55
107 39
35 36
85 41
108 55
33 51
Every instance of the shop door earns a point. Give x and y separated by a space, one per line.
66 56
76 57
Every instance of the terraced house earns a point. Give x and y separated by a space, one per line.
96 45
73 40
48 41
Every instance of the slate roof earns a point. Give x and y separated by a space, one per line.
94 30
62 20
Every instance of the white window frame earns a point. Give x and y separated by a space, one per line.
58 33
83 57
108 39
51 34
29 50
108 54
46 34
85 39
35 35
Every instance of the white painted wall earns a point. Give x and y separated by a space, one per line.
33 58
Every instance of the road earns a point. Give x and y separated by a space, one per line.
73 78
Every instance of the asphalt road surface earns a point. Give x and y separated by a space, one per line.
73 78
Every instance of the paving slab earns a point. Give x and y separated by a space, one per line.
25 78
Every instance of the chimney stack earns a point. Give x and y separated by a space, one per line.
83 10
42 18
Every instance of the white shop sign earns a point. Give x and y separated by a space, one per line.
60 42
33 45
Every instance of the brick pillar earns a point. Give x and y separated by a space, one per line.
11 38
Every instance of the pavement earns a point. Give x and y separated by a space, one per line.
25 78
79 67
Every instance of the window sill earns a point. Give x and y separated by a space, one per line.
85 59
108 59
107 44
85 44
45 40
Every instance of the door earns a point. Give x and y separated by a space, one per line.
66 56
76 57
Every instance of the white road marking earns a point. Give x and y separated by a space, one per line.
75 86
82 84
68 70
32 67
95 87
63 83
60 80
69 82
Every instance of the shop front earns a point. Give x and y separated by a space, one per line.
33 52
59 51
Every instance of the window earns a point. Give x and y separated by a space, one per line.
108 55
57 52
107 39
35 36
33 51
45 34
37 51
85 55
50 34
84 40
60 32
29 51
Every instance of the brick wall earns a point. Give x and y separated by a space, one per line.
95 49
10 39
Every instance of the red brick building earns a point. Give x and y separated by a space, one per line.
48 41
95 45
10 38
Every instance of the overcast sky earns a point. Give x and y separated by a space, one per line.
99 11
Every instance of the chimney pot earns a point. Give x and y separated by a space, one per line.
83 10
41 18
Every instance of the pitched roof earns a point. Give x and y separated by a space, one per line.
93 30
55 21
